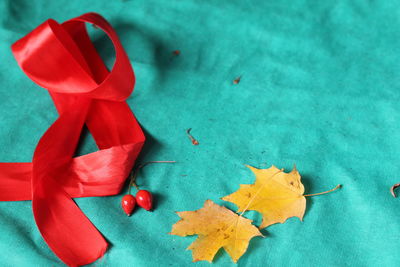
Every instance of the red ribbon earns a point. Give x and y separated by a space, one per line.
62 59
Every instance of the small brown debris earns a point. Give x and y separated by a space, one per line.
194 141
176 52
394 188
237 80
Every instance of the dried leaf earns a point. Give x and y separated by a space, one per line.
275 194
216 227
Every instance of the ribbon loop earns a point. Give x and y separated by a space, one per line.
62 59
51 47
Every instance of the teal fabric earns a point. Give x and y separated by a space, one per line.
319 89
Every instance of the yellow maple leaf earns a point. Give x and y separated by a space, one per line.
275 194
217 227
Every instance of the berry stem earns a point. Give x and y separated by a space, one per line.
326 192
135 173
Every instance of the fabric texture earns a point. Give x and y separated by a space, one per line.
319 88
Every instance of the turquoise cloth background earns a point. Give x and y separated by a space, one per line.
320 88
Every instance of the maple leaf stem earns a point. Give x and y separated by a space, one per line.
326 192
135 173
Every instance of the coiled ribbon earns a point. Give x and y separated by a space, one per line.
62 59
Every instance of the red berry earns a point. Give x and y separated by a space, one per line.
128 204
144 199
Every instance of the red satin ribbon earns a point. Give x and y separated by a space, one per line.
62 59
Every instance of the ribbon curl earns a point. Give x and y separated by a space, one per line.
62 59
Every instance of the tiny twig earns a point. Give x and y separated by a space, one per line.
194 141
394 188
326 192
135 173
237 80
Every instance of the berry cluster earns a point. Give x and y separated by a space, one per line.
143 197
